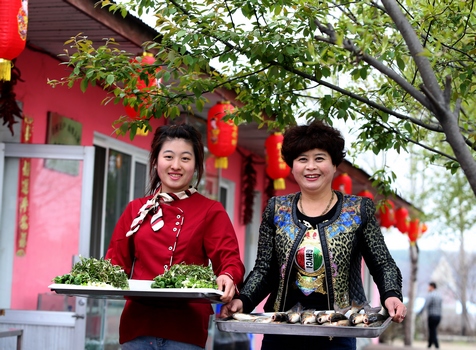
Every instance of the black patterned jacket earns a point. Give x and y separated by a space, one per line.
352 233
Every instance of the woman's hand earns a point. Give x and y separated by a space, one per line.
396 309
226 284
236 305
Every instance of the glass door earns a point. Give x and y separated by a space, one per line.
120 175
45 219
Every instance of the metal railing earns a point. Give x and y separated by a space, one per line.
13 333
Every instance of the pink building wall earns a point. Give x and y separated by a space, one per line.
53 195
39 98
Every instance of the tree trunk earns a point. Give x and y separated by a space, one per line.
440 108
409 323
464 284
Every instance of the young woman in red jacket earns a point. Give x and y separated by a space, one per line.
173 224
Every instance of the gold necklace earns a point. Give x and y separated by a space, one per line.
325 210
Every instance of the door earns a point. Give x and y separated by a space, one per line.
45 215
120 175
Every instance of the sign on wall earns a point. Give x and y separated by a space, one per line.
63 131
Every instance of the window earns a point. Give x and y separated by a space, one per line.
120 175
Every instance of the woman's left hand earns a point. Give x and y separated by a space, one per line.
226 284
396 309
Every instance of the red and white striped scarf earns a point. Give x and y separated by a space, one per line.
153 205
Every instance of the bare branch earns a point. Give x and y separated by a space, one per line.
415 47
349 46
457 111
434 101
363 99
447 91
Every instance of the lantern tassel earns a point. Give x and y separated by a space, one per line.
142 131
221 162
5 69
279 184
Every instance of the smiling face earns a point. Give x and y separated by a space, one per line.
314 171
176 165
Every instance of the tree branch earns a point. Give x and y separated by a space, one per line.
349 46
415 47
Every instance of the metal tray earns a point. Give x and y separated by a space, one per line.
140 288
232 325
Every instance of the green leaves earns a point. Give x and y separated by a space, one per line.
186 276
94 272
283 59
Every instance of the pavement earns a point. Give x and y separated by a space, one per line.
418 344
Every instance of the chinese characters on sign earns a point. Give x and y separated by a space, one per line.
24 191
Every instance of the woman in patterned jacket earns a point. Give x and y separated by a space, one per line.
311 244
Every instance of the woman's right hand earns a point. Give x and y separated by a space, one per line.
236 305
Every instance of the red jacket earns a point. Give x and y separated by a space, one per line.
196 230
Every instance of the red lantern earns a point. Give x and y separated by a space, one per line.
424 228
147 59
342 183
276 168
387 214
414 230
222 137
142 85
366 193
401 218
13 28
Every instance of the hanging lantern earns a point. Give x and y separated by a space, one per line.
147 58
387 214
342 183
222 136
13 28
424 228
276 168
401 219
414 230
141 85
366 193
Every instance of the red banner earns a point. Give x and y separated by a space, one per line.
24 191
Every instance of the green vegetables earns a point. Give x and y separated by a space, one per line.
186 276
94 272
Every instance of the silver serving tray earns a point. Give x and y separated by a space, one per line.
140 288
231 325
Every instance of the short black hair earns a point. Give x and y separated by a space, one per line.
433 284
302 138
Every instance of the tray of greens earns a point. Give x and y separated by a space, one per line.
99 279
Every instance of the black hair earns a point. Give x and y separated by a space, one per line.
169 132
302 138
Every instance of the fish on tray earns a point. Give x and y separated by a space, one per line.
308 316
293 315
365 314
239 316
357 315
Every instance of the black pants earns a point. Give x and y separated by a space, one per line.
433 322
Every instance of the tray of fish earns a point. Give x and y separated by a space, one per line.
359 324
139 288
